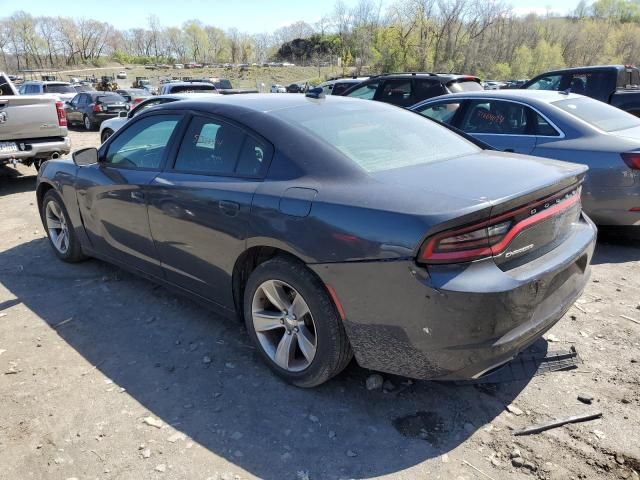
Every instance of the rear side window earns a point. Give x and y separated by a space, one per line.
366 92
397 92
595 84
548 82
443 112
464 86
423 89
212 147
340 88
544 128
496 117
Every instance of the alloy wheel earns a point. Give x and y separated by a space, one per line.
57 227
284 325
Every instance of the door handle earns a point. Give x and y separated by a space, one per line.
509 150
137 196
229 208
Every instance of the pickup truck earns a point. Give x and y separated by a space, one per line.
33 128
617 85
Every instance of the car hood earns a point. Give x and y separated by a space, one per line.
488 176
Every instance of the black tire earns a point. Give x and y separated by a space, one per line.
88 124
73 253
333 351
106 133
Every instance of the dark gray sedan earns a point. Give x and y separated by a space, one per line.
90 109
334 227
561 126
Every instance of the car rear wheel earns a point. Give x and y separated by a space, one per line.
88 124
60 232
106 133
294 323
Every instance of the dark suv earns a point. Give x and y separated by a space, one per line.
405 89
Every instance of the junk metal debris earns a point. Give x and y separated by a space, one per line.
556 423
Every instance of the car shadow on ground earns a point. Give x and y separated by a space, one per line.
617 245
199 373
12 181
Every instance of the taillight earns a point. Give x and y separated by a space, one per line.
632 159
97 107
62 117
491 237
137 100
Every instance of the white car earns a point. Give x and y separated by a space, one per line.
278 89
121 75
63 91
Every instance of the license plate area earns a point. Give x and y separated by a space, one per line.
8 147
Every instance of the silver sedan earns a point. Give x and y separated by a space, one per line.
560 126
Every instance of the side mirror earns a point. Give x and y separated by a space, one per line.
85 156
123 114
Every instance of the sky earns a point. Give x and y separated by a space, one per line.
251 16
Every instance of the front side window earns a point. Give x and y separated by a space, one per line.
443 112
217 148
143 144
366 92
548 82
496 117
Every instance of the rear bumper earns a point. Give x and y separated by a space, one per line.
37 150
454 322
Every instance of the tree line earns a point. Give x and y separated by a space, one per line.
481 37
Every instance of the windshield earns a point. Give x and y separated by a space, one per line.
58 88
378 137
192 88
599 114
465 86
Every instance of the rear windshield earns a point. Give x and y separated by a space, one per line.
465 86
111 98
58 89
225 84
379 137
192 88
599 114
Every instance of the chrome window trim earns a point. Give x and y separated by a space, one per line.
498 99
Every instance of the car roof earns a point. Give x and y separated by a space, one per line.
47 82
438 76
529 96
263 102
589 67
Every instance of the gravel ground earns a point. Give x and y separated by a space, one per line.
107 376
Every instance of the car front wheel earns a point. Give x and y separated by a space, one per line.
294 323
60 232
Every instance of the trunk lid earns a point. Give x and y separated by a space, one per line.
537 199
29 116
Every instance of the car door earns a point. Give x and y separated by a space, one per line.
74 105
505 125
112 195
199 208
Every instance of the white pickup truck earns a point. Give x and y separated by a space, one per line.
33 128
